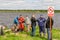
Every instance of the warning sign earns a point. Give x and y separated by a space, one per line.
50 11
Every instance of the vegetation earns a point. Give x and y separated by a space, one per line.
26 36
44 11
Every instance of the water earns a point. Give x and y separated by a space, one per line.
8 17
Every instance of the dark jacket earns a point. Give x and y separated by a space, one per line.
33 21
48 23
41 21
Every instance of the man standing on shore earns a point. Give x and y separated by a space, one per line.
41 22
33 24
48 27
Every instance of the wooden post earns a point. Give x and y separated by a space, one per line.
51 14
51 28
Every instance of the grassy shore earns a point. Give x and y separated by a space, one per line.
27 36
56 11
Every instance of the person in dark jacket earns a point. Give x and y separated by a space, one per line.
48 27
41 21
33 24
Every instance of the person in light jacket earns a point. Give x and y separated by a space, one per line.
28 23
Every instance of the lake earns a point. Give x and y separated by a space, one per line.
8 17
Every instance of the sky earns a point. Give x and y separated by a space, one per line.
29 4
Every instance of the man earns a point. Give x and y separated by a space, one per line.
21 22
33 24
48 27
16 21
15 24
28 23
41 22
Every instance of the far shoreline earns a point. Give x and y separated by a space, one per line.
44 11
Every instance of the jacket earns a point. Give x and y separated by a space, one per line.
21 20
41 21
33 21
48 23
27 20
16 20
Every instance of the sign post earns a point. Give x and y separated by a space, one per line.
50 14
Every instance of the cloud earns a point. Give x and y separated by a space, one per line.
19 4
28 4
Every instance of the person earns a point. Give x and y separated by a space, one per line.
28 23
16 21
48 27
33 24
21 21
2 27
13 28
41 21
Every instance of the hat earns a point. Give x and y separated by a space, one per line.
41 15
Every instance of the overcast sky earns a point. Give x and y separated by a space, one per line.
29 4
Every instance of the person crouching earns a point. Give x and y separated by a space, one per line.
21 21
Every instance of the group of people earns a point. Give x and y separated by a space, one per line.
20 22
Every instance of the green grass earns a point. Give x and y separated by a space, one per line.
26 36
